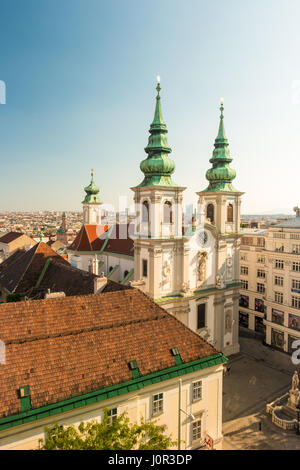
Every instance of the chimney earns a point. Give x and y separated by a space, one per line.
99 283
54 295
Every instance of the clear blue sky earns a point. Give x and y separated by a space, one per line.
80 77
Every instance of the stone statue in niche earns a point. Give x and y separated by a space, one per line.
220 281
229 268
201 266
166 271
228 321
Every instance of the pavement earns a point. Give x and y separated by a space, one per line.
258 375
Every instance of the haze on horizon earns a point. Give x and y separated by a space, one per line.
80 80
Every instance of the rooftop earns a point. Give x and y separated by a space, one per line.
66 347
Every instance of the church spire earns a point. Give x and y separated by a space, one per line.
158 166
220 176
92 192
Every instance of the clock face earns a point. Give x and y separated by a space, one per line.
202 237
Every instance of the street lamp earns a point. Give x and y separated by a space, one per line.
180 410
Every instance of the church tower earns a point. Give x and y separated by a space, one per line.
219 210
158 239
91 203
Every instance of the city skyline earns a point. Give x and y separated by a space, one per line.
83 97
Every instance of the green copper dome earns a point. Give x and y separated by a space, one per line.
92 192
220 176
158 166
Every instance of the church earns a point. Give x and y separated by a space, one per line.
192 272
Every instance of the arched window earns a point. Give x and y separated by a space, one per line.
125 273
110 269
167 212
230 213
210 212
145 211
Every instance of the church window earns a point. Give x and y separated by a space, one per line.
145 211
145 268
167 212
201 316
230 213
210 212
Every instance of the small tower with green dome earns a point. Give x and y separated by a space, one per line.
220 202
91 203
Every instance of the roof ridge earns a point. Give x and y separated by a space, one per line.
86 330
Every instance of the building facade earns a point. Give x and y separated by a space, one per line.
270 277
118 351
192 272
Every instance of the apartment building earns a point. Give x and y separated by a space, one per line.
270 282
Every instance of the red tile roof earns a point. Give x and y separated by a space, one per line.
93 237
20 272
66 347
10 237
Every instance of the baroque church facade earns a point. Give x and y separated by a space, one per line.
192 272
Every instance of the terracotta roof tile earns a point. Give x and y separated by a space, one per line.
92 238
51 343
10 237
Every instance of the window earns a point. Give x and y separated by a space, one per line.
260 259
125 273
296 249
201 316
277 316
112 415
279 248
279 264
197 390
278 297
210 212
295 284
259 305
261 273
110 269
230 213
260 287
296 266
145 268
279 235
243 257
260 241
244 301
145 211
278 281
295 301
244 285
167 212
196 430
244 270
158 404
295 236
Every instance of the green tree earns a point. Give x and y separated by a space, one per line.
106 435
